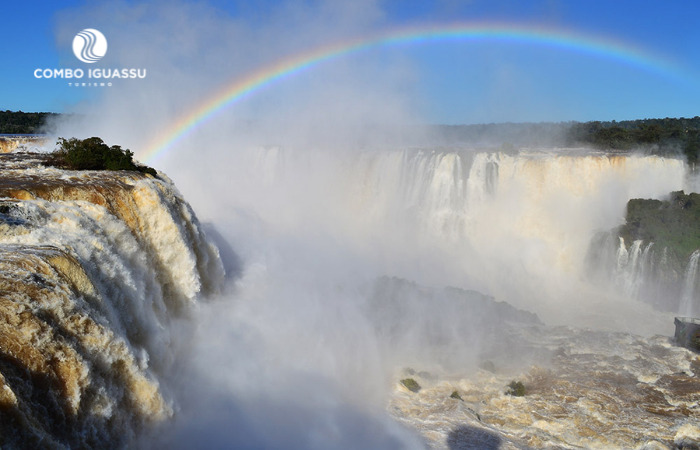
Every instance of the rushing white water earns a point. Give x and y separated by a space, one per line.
304 348
645 272
633 266
470 217
308 331
96 269
689 307
597 390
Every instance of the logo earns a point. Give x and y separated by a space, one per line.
89 45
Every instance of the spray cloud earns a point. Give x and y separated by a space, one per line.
311 186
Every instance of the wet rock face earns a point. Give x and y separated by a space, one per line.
654 255
10 144
63 367
93 268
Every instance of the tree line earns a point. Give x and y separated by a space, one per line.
661 136
18 122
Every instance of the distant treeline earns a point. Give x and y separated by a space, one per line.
663 136
18 122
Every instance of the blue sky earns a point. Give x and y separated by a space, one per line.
454 82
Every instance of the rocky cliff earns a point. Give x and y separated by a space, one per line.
94 268
654 255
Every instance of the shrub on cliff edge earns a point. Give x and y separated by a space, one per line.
93 154
673 224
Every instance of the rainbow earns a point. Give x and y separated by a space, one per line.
241 88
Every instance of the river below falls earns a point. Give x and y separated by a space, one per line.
588 389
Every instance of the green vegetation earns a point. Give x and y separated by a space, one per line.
666 135
516 388
456 395
93 154
660 136
411 384
18 122
674 223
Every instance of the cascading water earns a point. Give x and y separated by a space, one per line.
97 267
633 266
310 333
317 229
646 270
689 306
530 214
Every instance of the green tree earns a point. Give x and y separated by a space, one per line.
93 154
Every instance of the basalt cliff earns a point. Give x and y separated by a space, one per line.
95 267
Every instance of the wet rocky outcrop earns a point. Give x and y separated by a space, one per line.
94 268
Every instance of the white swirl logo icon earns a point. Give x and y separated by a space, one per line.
89 45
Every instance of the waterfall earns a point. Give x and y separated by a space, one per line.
633 266
688 299
95 268
104 265
531 214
